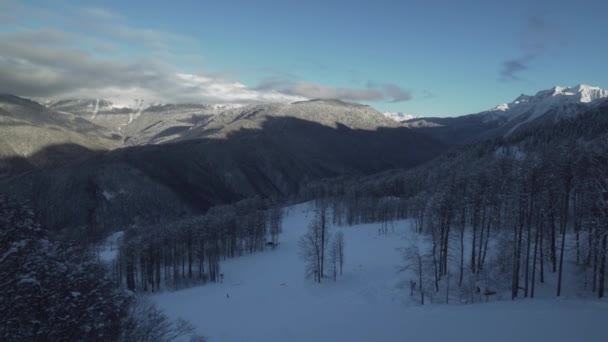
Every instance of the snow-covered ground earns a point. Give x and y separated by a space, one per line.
265 297
107 252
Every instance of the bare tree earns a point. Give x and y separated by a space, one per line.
313 244
339 244
333 259
602 214
146 323
275 216
414 262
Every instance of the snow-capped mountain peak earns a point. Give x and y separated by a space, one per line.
580 93
500 108
400 116
558 102
565 101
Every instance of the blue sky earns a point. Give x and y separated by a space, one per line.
438 58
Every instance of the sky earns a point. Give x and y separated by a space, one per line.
427 58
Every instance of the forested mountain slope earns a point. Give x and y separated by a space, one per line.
537 198
34 137
268 150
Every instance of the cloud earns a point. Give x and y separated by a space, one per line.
512 67
60 70
537 37
372 92
97 57
396 93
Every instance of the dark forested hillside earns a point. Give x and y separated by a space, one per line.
155 183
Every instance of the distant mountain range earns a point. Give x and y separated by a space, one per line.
89 162
182 159
546 107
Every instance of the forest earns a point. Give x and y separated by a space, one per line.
189 251
496 217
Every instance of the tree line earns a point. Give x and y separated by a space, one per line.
189 251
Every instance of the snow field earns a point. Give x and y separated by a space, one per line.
265 297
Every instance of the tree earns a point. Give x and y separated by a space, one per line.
414 262
313 244
144 322
339 245
601 213
333 259
56 291
275 216
337 254
52 290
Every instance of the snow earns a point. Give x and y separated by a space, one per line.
399 116
108 250
501 108
270 300
95 110
108 195
139 107
562 101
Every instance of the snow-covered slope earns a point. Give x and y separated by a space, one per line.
33 136
140 122
99 111
265 297
555 103
544 108
555 98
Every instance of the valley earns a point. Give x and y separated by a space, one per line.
226 171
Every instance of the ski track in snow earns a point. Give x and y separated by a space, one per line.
270 300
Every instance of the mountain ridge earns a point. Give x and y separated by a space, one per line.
545 107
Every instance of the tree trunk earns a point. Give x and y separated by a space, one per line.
323 228
528 241
553 242
602 275
482 227
462 225
542 257
563 223
420 288
474 236
534 261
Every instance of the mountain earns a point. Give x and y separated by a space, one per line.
33 136
400 116
139 124
546 107
163 123
325 112
268 150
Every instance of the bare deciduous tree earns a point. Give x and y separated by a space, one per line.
313 245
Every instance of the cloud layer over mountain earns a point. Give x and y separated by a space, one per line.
96 53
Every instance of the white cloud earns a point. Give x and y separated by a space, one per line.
88 60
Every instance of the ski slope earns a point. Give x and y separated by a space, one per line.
265 297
